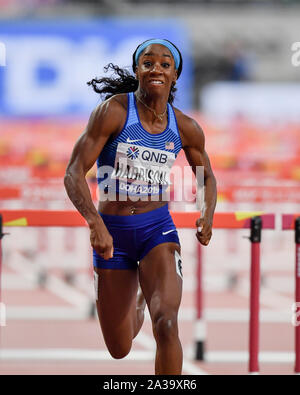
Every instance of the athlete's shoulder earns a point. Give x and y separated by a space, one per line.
189 128
109 116
111 110
119 100
116 103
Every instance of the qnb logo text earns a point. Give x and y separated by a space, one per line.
157 157
2 54
295 59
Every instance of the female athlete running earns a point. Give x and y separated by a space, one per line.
135 136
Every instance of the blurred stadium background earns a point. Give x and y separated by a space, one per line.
238 82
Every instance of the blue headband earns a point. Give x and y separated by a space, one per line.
165 43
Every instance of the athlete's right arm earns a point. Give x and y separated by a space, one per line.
104 121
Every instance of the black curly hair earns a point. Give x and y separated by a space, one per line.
122 81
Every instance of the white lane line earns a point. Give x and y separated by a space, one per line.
41 313
190 368
242 315
243 356
15 282
69 354
185 314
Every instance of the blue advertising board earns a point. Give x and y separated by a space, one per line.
49 62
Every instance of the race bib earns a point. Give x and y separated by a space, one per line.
141 170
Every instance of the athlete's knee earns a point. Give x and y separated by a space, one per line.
165 327
119 354
119 350
118 346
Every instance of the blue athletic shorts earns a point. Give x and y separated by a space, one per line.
135 235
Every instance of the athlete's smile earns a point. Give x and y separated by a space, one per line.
156 82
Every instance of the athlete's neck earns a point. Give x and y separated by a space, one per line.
152 106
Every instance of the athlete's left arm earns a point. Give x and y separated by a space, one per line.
193 142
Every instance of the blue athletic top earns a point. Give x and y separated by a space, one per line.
137 162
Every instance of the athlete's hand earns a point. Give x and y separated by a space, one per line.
101 241
204 230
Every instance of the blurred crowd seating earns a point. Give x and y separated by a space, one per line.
45 146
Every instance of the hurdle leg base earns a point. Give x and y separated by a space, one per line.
199 351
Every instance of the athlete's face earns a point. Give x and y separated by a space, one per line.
156 69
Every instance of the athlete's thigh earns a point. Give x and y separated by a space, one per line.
160 279
115 298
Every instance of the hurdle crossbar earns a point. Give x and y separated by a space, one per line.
235 220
